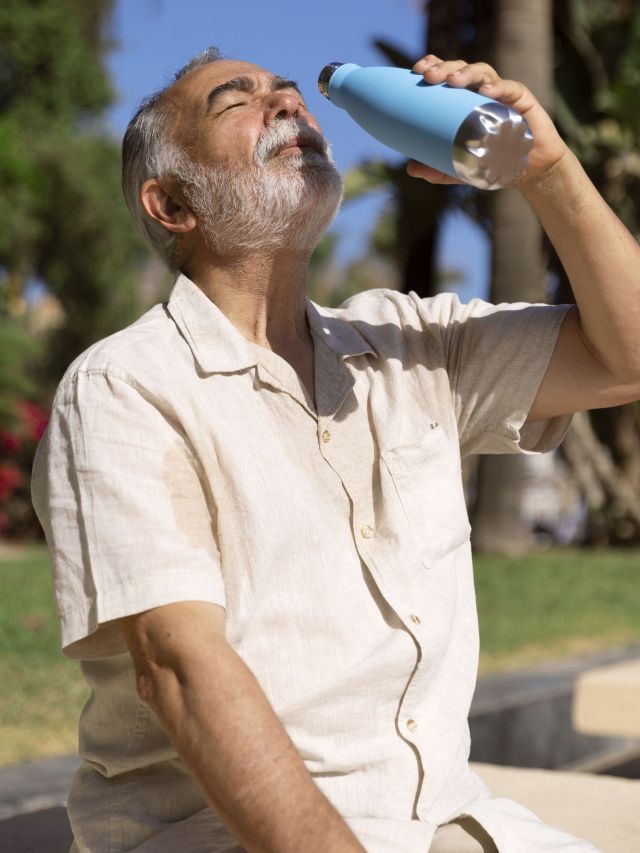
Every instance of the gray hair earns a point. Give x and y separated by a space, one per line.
149 151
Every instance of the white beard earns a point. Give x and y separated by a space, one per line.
281 201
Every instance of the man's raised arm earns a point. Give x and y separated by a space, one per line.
596 361
226 733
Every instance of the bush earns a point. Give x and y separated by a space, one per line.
18 444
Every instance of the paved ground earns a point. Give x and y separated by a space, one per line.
33 818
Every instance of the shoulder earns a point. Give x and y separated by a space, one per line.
394 306
400 325
135 354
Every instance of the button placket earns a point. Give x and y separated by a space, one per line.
410 706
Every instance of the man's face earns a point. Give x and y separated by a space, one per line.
258 172
222 109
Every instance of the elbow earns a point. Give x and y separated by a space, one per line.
622 364
626 379
626 370
154 682
147 685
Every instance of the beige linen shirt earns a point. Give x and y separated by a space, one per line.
183 462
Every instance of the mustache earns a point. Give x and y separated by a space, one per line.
281 132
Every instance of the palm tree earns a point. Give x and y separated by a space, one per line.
522 51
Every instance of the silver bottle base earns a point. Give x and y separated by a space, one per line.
491 146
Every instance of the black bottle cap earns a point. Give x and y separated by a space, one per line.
326 75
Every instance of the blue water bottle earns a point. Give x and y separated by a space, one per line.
467 135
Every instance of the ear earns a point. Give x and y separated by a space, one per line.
167 207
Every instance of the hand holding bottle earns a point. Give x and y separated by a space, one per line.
548 148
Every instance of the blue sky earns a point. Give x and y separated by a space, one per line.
296 39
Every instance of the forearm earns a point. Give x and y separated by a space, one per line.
601 259
235 747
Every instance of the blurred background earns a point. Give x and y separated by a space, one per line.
557 538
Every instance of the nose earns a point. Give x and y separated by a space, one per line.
281 105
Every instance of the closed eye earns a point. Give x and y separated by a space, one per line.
231 106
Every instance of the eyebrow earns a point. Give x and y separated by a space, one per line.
246 84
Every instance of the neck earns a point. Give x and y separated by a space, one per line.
262 294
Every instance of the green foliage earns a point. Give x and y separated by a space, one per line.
598 96
16 347
62 218
63 221
51 66
51 79
88 250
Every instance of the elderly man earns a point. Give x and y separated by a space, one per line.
254 505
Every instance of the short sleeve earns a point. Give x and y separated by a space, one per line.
124 510
496 357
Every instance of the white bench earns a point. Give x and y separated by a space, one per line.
606 701
604 810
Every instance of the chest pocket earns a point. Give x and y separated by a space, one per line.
428 480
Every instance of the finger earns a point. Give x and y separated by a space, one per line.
438 72
473 76
509 92
422 64
428 173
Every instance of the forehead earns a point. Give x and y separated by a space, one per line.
192 89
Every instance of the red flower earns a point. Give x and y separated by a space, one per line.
34 419
10 479
9 442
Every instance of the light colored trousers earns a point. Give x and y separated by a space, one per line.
462 836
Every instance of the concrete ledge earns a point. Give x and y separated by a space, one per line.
36 785
607 700
524 718
601 809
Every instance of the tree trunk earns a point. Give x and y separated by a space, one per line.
523 51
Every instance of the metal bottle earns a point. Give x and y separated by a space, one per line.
467 135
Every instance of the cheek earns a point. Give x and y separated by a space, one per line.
244 130
236 141
311 121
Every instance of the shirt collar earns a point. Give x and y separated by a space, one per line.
339 335
216 344
218 347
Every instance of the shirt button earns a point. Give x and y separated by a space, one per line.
326 436
411 725
415 619
367 531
